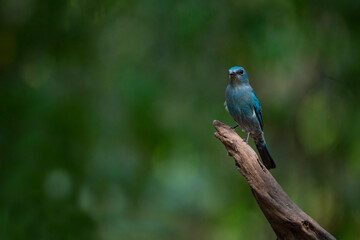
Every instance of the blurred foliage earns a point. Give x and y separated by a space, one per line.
107 106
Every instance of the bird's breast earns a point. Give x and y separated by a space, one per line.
240 104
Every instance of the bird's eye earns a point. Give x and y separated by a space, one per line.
241 72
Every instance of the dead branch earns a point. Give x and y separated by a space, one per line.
286 219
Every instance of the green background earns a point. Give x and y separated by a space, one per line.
107 108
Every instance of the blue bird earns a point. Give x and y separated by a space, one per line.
244 107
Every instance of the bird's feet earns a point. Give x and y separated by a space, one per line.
247 139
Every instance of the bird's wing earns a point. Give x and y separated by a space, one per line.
257 109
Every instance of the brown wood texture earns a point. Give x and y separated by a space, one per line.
286 219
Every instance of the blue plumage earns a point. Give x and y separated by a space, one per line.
257 108
244 107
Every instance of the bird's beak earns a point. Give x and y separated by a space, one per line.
231 73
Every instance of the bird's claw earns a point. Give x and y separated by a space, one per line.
247 139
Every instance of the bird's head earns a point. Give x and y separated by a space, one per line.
237 76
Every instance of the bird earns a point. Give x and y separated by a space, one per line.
244 107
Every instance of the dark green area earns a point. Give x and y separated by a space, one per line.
107 109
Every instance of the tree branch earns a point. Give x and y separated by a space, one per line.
286 219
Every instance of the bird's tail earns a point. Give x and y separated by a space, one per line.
265 154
